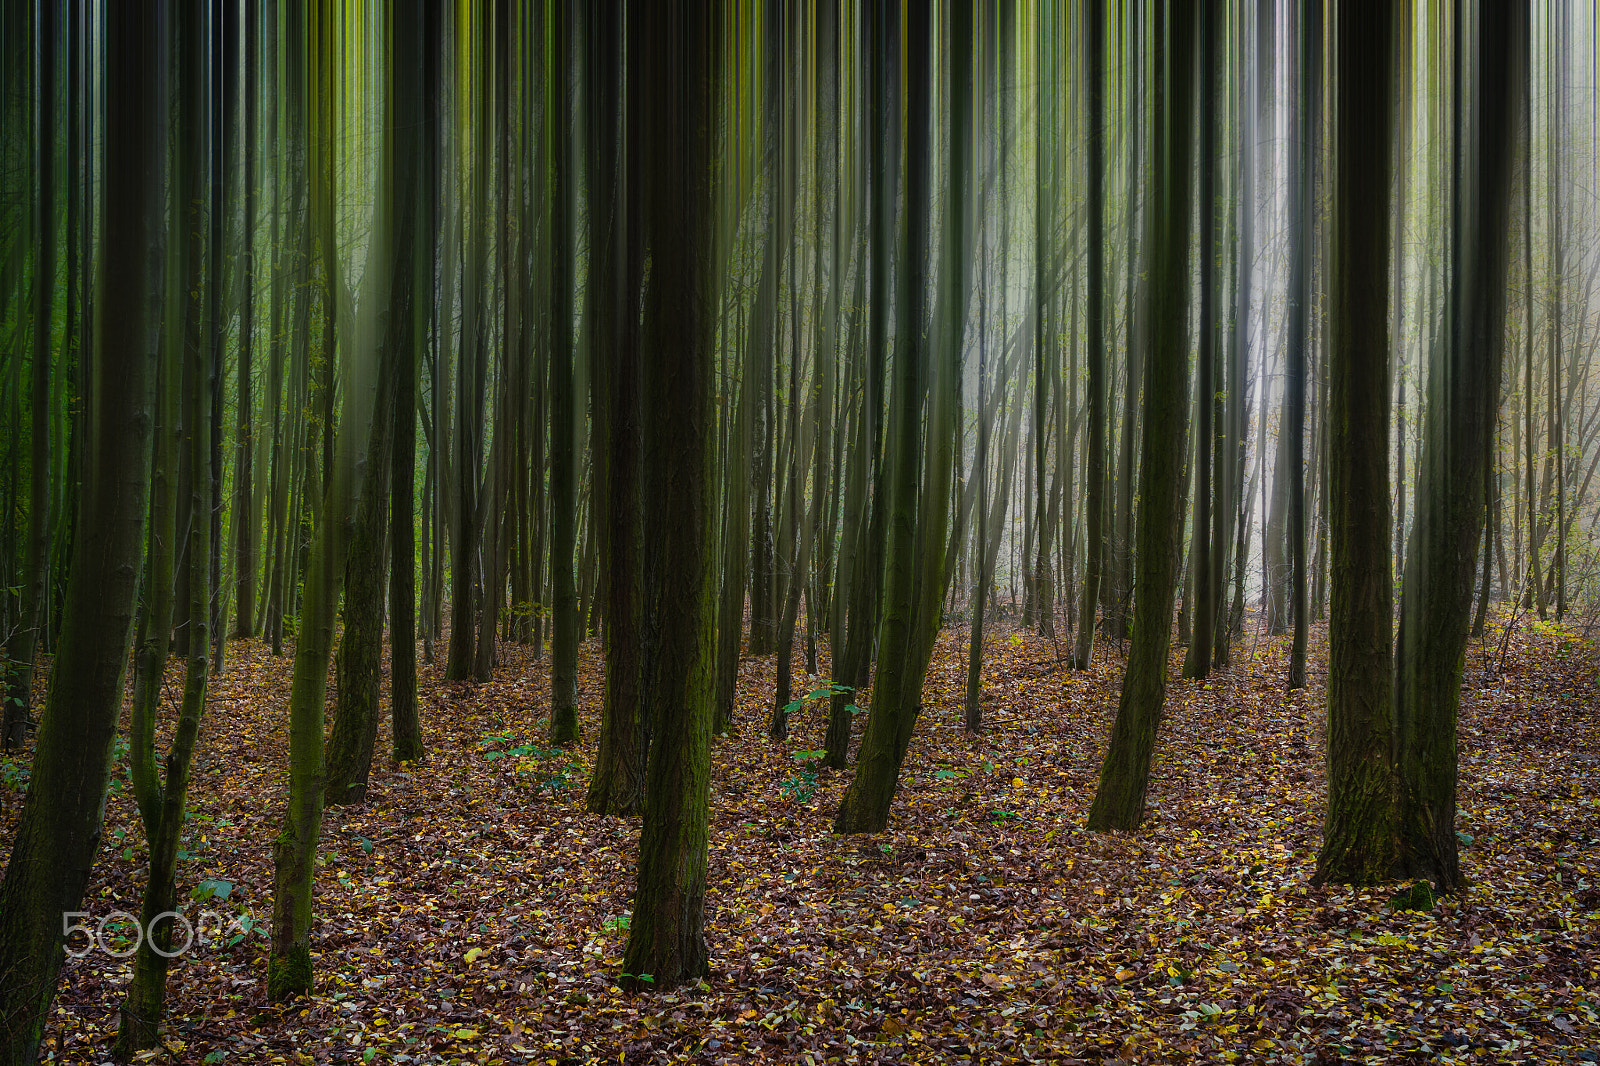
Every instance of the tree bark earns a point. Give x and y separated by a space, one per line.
675 103
1125 774
1358 835
59 828
1463 401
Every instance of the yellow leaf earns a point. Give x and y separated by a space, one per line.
1125 975
1017 782
473 955
465 1034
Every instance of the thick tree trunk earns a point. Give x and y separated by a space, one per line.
1358 835
675 104
58 832
1463 401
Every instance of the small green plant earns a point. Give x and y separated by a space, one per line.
801 785
14 775
618 923
826 692
538 767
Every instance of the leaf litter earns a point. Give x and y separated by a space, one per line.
470 911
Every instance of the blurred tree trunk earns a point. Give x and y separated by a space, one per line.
23 640
1095 479
674 100
1125 774
58 831
1463 402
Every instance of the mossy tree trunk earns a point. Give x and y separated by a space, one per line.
1463 401
673 99
921 457
1125 774
58 831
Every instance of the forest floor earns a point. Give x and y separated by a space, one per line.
470 911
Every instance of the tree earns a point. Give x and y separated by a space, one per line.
917 511
289 972
23 643
1125 773
563 401
615 248
1197 657
415 89
246 505
59 828
671 86
161 802
1463 401
1358 834
1095 479
1302 182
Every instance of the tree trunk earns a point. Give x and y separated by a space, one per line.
919 499
1463 401
1358 835
1125 774
563 402
24 640
162 805
1197 657
617 786
58 831
1095 479
675 103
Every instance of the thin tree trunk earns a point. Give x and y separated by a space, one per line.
1124 776
563 401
